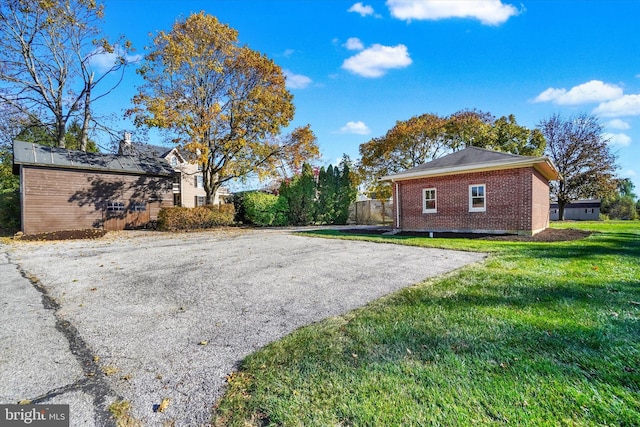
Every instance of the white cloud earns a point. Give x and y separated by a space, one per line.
358 128
376 60
627 105
288 52
103 61
617 124
488 12
592 91
619 139
361 9
296 81
354 43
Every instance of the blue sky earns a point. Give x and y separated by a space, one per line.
355 68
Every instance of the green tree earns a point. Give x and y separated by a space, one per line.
73 137
578 148
508 136
300 193
468 127
327 195
621 205
47 73
221 101
9 196
336 190
408 144
347 190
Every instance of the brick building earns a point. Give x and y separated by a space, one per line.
474 190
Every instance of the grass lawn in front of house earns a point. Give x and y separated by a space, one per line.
538 334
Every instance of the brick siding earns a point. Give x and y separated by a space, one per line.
517 201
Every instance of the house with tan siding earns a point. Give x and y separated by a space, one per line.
188 186
474 191
64 189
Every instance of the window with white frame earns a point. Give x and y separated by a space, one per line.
199 181
477 198
174 162
200 200
429 203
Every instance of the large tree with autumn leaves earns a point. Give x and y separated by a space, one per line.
426 137
223 102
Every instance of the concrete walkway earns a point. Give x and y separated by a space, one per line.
124 317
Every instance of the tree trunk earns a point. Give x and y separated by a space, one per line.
561 205
84 135
60 133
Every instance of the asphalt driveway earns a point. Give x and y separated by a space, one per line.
142 317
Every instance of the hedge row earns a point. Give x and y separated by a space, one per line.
177 218
264 209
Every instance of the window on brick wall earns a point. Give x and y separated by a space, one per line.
477 198
429 204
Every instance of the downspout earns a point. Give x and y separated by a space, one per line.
397 203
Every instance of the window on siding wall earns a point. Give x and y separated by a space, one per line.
429 204
115 207
199 200
477 198
138 207
174 162
199 181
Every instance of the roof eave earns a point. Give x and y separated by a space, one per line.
541 164
89 168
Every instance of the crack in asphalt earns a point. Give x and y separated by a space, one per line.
94 382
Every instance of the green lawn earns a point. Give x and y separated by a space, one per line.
538 334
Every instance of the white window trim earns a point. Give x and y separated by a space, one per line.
484 192
424 200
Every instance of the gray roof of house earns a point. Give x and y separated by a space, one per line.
474 158
26 153
579 204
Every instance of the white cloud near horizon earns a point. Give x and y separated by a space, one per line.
619 139
617 124
363 10
354 43
296 81
488 12
358 128
591 91
103 61
627 105
376 60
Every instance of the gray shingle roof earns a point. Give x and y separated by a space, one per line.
474 158
26 153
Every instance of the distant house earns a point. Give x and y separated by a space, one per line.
188 186
579 210
64 189
474 190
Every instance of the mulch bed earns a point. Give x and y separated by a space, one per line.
92 233
548 235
